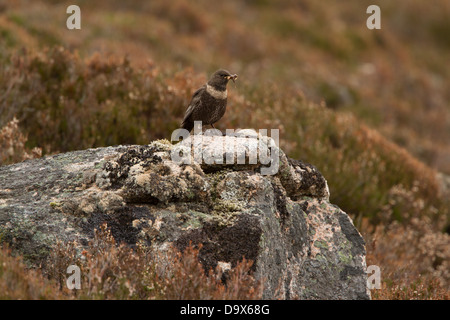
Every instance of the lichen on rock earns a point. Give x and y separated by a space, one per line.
302 246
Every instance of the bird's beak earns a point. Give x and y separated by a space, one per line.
232 77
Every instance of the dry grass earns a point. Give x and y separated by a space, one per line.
18 283
414 261
414 255
12 144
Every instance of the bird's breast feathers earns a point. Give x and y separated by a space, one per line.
216 93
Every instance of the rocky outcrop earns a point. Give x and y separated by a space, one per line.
302 245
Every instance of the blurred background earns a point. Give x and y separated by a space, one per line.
369 108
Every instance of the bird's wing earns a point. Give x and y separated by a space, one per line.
195 101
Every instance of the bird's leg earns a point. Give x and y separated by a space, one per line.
223 133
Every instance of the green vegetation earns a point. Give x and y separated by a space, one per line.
369 108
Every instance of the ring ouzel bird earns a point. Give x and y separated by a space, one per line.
208 104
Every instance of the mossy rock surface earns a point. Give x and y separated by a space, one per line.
303 246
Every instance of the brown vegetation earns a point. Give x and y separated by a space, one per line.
12 144
115 271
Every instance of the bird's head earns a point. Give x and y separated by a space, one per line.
221 77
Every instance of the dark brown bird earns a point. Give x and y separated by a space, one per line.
208 104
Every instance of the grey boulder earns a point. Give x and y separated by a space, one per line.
303 247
